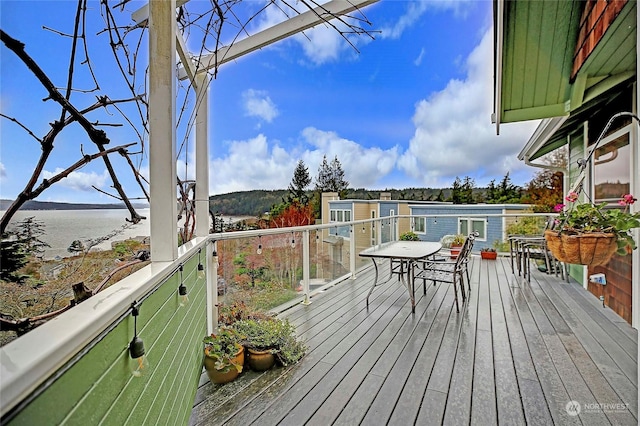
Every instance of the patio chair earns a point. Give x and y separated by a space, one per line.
448 271
518 244
536 249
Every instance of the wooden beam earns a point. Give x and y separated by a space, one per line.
298 23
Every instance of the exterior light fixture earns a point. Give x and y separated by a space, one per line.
183 298
259 251
293 241
138 363
201 273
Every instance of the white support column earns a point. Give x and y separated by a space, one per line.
162 131
202 155
306 266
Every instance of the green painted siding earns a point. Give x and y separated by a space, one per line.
100 389
576 152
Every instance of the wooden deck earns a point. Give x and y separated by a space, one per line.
517 353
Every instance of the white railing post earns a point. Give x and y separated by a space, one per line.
306 265
212 287
352 252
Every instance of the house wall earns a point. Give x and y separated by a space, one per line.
99 388
436 228
389 228
618 292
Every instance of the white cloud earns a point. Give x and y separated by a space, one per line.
258 164
363 166
79 181
257 103
417 8
3 171
251 164
454 135
320 44
418 60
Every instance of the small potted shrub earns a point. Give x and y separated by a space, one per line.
488 253
409 236
223 355
456 244
268 340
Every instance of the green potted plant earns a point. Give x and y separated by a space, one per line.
223 355
456 244
488 253
269 339
409 236
589 234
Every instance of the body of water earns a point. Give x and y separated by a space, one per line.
62 227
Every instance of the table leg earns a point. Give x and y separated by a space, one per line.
408 282
375 280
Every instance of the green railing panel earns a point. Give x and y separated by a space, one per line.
99 388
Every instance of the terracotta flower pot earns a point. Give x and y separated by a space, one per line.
455 250
491 255
261 360
227 374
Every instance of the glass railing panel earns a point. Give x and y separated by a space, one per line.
259 272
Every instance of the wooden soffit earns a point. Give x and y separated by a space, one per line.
537 43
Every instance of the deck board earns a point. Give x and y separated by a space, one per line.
516 353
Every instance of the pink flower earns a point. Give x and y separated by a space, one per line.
558 207
627 200
571 197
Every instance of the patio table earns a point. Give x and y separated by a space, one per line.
406 253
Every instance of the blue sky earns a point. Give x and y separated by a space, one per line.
410 108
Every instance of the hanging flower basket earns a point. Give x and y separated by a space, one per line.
592 248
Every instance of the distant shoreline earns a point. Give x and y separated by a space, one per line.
52 205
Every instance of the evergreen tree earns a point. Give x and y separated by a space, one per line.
299 183
340 185
505 192
468 186
29 231
331 177
17 246
13 256
323 180
456 191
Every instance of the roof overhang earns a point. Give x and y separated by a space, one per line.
552 133
535 42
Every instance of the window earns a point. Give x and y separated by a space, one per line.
340 216
468 225
612 169
419 225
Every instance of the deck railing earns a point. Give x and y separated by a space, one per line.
75 368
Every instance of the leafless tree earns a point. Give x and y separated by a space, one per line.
114 103
202 23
